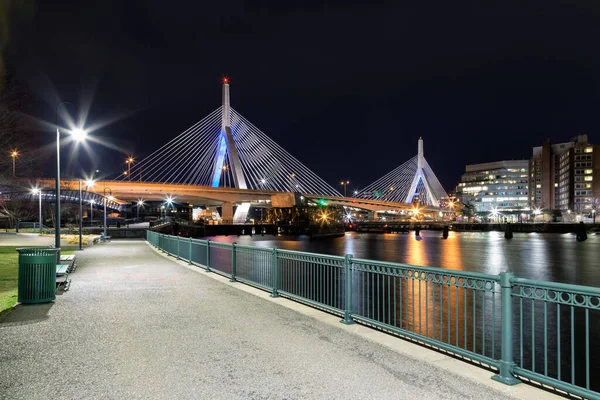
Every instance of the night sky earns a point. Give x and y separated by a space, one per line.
345 88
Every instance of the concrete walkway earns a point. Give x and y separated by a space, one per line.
136 325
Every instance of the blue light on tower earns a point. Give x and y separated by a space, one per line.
220 159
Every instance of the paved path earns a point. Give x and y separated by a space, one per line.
136 325
26 239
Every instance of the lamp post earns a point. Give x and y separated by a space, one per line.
139 204
79 135
91 212
39 193
110 198
345 185
14 154
80 217
129 161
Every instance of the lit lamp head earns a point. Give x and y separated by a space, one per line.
140 202
110 197
78 134
14 153
35 191
89 183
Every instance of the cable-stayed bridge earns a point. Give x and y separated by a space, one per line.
225 160
411 182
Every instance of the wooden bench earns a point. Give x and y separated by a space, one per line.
62 276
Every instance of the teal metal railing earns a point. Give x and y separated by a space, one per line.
523 329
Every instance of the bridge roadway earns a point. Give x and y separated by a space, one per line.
137 325
128 191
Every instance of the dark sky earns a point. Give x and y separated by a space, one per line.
346 88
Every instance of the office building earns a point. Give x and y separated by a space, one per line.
500 187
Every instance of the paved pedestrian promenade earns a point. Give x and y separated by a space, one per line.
136 325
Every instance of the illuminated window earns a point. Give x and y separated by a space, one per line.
538 186
588 171
588 178
589 149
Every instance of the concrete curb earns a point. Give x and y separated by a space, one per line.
421 353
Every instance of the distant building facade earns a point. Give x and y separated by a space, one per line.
565 176
502 186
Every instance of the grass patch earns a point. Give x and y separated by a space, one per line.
9 274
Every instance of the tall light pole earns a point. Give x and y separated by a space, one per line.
80 217
78 134
91 212
38 191
14 154
139 204
110 198
129 161
345 185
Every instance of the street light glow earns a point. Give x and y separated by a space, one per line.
169 200
89 183
78 134
110 197
35 190
140 202
14 153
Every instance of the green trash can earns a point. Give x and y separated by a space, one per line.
37 275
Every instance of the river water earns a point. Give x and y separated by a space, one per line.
541 256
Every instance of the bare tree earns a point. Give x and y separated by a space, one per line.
18 131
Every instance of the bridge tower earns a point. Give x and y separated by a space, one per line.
421 176
227 148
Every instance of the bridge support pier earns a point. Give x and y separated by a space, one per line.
373 216
227 213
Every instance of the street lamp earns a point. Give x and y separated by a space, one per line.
344 184
14 154
39 193
79 135
139 204
88 183
110 197
91 212
129 161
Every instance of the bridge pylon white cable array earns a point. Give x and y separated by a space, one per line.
225 150
413 181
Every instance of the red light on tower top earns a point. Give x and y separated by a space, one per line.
225 80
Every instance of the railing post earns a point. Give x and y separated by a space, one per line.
506 362
208 256
233 263
348 278
274 273
190 253
177 238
